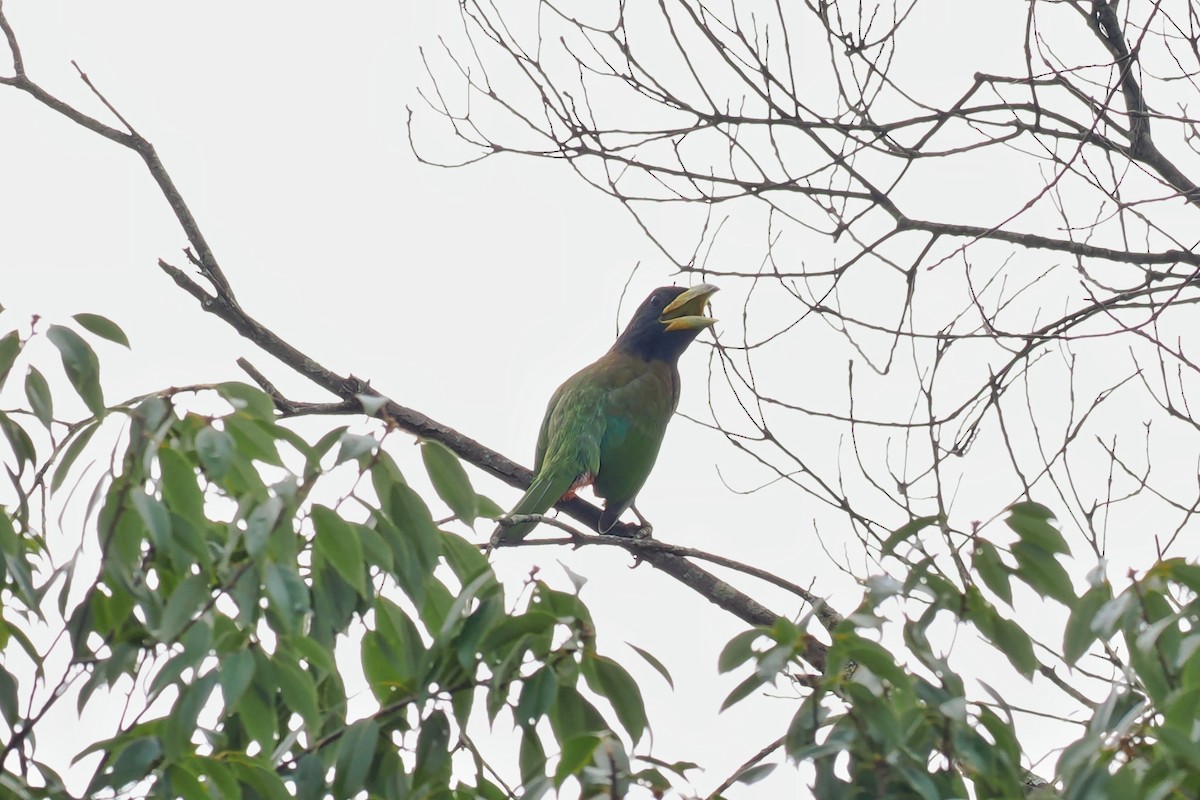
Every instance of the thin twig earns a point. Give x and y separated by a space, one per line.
750 762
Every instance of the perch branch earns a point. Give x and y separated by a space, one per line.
222 303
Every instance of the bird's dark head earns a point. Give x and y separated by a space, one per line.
666 323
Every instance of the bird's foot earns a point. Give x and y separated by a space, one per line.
645 529
628 530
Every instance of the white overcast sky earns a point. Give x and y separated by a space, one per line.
467 294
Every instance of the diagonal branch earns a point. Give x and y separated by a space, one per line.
1105 23
223 304
350 388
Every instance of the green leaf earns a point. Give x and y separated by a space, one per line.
298 690
435 606
907 531
316 654
103 327
37 392
1031 521
461 704
654 662
755 773
1017 646
773 661
1182 710
487 508
236 673
802 730
10 347
1177 569
220 775
375 550
258 716
19 441
738 650
10 708
531 757
126 534
310 778
1078 635
1042 572
254 401
433 755
484 584
254 437
215 449
609 679
393 654
154 515
182 606
312 461
742 691
573 715
10 543
537 696
185 784
179 487
1182 746
576 754
355 751
463 557
133 763
410 514
449 480
509 638
81 365
1118 612
262 783
382 667
180 725
260 523
1004 633
71 454
354 445
1003 736
337 541
287 592
989 566
1147 664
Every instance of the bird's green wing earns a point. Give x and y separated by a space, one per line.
568 448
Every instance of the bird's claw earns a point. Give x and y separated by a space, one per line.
645 530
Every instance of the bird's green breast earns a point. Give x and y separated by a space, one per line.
636 414
609 419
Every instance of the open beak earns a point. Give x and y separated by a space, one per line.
686 312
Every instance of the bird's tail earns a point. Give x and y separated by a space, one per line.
546 490
608 518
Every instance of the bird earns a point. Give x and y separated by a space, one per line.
603 427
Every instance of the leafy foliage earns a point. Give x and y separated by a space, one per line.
212 577
912 730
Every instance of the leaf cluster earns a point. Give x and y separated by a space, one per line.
232 584
873 726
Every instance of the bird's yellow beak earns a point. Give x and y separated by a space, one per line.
686 312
